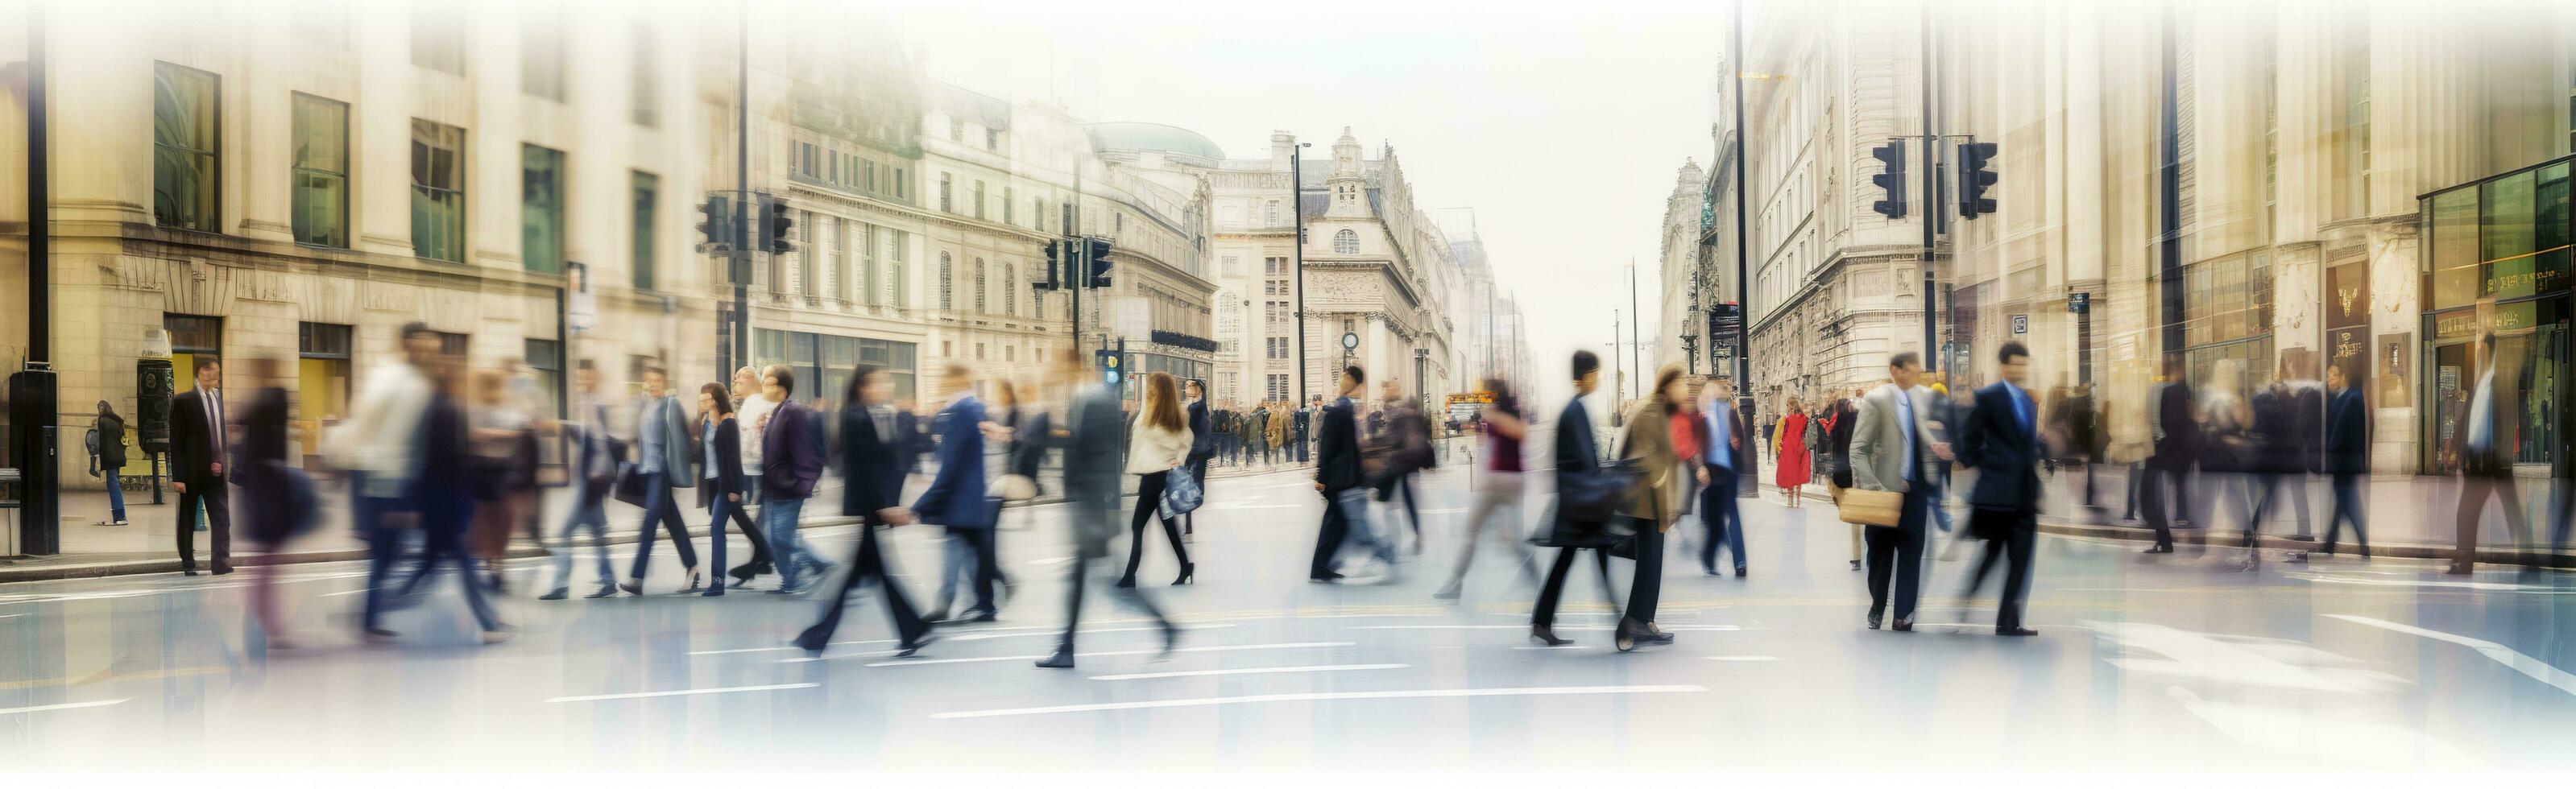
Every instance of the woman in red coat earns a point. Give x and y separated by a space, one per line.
1794 466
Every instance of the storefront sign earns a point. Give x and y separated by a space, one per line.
2455 325
2390 369
2348 295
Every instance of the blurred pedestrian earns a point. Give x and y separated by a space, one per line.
1304 428
791 458
1161 441
1654 503
957 498
1341 476
749 408
1275 435
1576 455
1203 442
1893 450
1727 457
198 450
595 461
1092 437
2279 467
2228 455
274 504
1403 448
382 440
503 446
2487 451
663 459
443 500
2175 428
110 430
872 491
2000 438
1794 467
721 482
1498 491
1840 424
2347 458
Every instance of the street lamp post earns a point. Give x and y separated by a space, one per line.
1297 204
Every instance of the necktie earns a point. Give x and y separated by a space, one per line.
215 419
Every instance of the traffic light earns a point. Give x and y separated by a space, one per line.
1055 268
1099 256
775 223
1112 368
1893 180
1976 175
715 228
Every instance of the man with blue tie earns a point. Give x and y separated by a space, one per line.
1892 450
1728 455
2000 439
2486 459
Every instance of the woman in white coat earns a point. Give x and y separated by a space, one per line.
1158 443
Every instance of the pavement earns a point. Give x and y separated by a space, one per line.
2178 663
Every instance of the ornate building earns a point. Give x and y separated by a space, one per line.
1681 311
1377 270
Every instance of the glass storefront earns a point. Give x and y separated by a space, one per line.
2496 262
824 363
2228 317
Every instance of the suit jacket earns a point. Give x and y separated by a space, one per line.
1095 435
677 469
791 453
2504 410
259 465
1203 441
2005 454
1576 452
2179 447
2347 446
2276 423
1338 447
1878 441
1846 416
909 440
192 447
956 496
871 467
728 460
1302 418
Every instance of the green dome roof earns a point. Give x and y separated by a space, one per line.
1152 137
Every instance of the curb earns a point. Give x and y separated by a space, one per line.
171 565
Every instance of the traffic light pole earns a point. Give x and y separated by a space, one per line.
1743 224
1297 204
737 257
1933 211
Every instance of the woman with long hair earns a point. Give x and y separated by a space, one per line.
111 460
720 492
1795 468
1498 489
1159 443
1654 505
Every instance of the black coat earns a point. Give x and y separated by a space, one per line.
1846 421
1576 452
1202 432
791 453
2279 449
728 460
1338 464
2347 446
111 442
871 465
259 464
192 447
2180 446
2005 455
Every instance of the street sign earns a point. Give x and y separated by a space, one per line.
2021 324
2079 303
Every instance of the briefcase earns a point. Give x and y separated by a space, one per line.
1872 507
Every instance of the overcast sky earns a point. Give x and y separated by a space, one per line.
1561 123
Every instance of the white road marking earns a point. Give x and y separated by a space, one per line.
1743 658
781 649
1050 561
73 705
989 636
843 656
2201 657
1268 670
1307 645
2426 583
690 692
1343 696
2529 666
1674 628
338 594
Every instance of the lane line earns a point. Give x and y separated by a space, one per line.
782 649
1744 658
842 656
690 692
1674 628
1343 696
1222 672
990 636
1308 645
73 705
2529 666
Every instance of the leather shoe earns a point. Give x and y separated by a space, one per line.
1063 658
558 594
2159 549
915 645
604 591
1904 624
2015 631
1873 621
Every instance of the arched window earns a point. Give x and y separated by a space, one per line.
1346 242
947 297
979 287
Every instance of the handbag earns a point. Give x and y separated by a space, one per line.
1013 487
1871 507
1594 497
1181 493
630 485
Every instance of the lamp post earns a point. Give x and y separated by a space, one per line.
1297 204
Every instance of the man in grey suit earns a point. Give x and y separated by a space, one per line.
662 456
1893 449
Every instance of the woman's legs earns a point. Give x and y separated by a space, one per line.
1149 496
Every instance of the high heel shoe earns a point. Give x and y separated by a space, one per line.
1186 571
1548 637
697 580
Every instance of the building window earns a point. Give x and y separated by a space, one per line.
541 209
644 84
185 130
956 130
438 37
323 22
979 287
453 344
979 352
806 254
897 283
544 358
647 189
979 199
947 299
541 50
1346 242
945 187
902 186
437 191
1233 266
992 139
864 237
1273 213
322 380
1278 387
321 172
1010 290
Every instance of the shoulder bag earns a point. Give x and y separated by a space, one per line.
1181 493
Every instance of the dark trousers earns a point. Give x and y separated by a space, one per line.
217 499
867 564
2474 489
1646 585
2011 535
1335 530
445 544
740 514
658 506
1395 485
1198 466
1896 555
2269 491
1543 615
1080 578
1725 523
2348 506
384 548
978 543
1149 498
2151 497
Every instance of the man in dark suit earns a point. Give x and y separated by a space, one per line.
1728 457
1203 442
791 461
2486 458
2176 431
1344 484
1094 439
197 449
956 498
872 491
1576 453
2347 458
1305 425
2000 439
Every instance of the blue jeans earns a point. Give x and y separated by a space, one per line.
718 510
115 496
778 517
1355 511
588 514
1717 510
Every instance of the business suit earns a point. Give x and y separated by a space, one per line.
1999 439
1203 442
2177 446
1095 434
871 482
199 449
2487 451
956 498
663 457
1302 424
2347 459
1575 453
791 460
1338 469
2279 456
1728 455
1891 450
